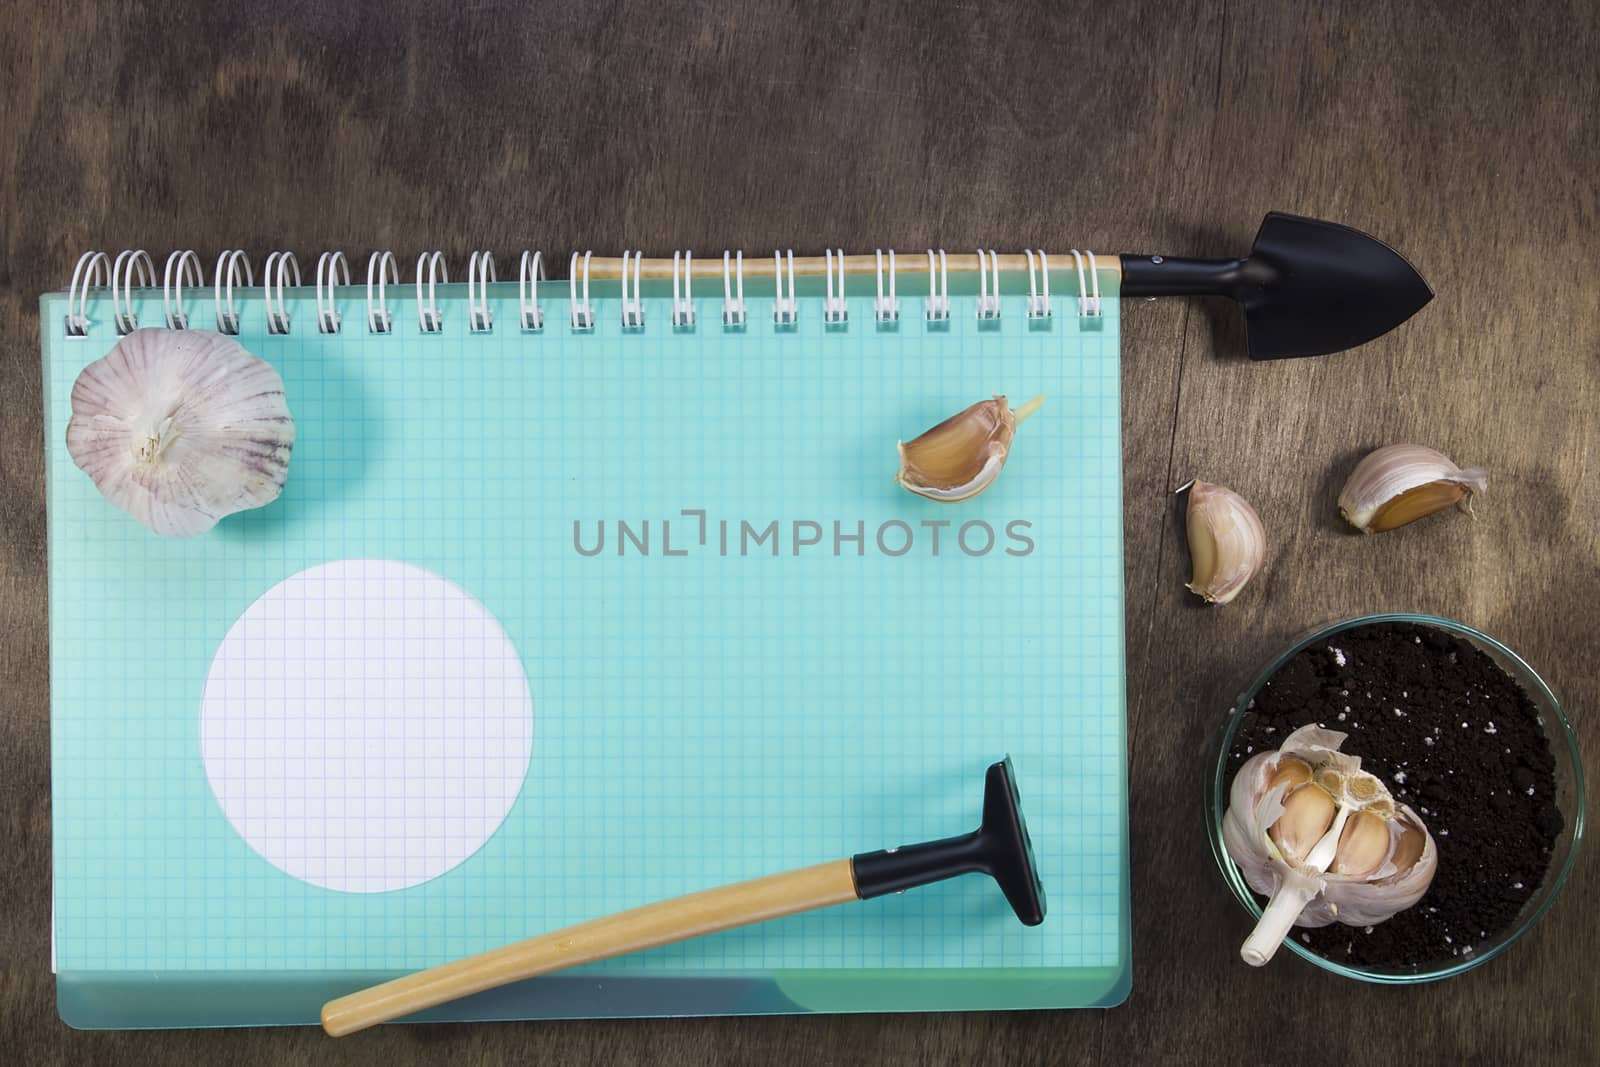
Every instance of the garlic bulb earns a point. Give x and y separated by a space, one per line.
963 455
1400 484
1322 838
1226 541
181 427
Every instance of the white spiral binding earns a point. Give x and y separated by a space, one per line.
785 311
381 268
134 268
683 307
129 262
180 263
886 310
835 310
227 274
936 306
580 312
480 272
331 266
529 272
632 306
1038 305
1088 305
91 265
988 302
429 318
733 309
277 267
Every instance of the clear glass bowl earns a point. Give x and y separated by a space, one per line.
1569 798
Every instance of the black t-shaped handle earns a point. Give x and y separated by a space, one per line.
999 848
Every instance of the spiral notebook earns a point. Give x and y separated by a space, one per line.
582 594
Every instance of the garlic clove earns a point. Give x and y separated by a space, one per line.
1290 772
1400 484
964 454
1409 845
1226 541
1307 814
1363 846
181 427
1394 887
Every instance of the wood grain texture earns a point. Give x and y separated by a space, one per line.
1463 133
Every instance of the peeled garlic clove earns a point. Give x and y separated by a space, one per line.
1226 541
1307 814
1400 484
1290 772
1363 846
181 427
963 455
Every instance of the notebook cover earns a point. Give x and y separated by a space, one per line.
704 707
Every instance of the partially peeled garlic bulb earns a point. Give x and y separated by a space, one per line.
1226 541
181 427
1323 839
963 455
1400 484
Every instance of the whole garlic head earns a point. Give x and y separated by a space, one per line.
1322 838
181 427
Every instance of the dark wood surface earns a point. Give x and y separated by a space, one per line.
1464 134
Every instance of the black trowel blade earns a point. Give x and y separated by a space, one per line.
1322 287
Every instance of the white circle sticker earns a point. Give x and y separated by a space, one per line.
366 725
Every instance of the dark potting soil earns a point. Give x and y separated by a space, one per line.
1457 739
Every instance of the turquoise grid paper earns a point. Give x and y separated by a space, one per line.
697 719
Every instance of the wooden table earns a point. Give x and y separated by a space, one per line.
1464 134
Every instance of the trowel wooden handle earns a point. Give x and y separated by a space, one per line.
678 919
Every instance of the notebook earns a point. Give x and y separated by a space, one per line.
580 595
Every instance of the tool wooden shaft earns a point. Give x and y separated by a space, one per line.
662 923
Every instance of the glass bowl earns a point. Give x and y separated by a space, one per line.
1569 798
